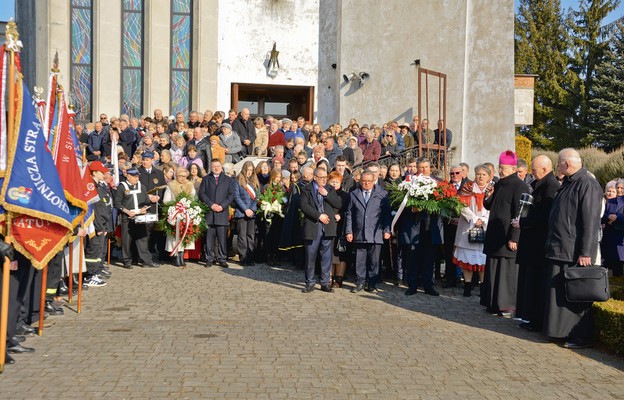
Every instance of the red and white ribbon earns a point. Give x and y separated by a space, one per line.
180 213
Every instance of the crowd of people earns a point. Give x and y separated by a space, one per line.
335 215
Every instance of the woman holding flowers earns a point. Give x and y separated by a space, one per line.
175 188
246 205
468 254
271 211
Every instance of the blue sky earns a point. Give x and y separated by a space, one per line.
7 9
565 4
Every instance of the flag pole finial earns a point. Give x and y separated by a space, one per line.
12 43
55 63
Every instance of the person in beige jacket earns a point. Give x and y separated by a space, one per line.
262 137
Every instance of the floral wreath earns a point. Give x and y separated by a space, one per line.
186 213
271 202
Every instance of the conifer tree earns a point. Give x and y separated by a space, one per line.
588 52
605 114
541 47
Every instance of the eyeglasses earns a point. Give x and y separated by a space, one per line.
455 173
389 135
320 177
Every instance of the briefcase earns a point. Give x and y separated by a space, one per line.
586 284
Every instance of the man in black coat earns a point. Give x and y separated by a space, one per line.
531 257
501 238
153 180
367 224
127 137
420 235
131 200
243 125
202 144
574 226
348 183
318 201
217 191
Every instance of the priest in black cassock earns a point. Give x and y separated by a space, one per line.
501 238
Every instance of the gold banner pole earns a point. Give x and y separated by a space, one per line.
80 260
13 46
70 273
44 288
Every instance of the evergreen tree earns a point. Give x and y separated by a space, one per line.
589 51
541 47
606 105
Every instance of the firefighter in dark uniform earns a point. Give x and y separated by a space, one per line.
102 223
153 178
132 202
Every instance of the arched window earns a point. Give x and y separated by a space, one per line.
132 57
81 74
181 44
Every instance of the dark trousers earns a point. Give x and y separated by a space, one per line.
14 303
94 252
220 232
367 256
55 269
450 273
29 311
564 319
137 233
418 263
246 228
312 248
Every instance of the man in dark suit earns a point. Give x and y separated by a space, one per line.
318 202
217 191
367 224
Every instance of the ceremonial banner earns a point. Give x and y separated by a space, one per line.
32 189
64 155
39 240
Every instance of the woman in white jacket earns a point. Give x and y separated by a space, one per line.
468 254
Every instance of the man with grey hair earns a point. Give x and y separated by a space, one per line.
367 227
573 229
231 141
319 202
243 125
450 230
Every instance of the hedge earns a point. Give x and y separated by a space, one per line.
609 320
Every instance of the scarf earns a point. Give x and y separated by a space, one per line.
176 188
467 192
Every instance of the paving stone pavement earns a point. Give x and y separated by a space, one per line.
249 333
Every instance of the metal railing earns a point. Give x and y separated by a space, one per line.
439 156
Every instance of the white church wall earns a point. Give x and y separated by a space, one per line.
246 32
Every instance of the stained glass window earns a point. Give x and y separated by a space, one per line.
181 42
132 58
81 74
